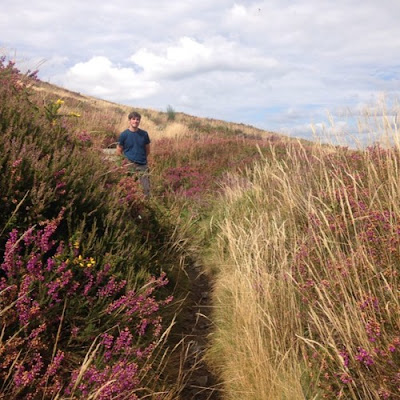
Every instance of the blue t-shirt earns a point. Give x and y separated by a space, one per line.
134 145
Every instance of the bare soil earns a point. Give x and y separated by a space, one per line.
193 333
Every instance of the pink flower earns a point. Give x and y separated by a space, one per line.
364 357
16 163
345 357
346 378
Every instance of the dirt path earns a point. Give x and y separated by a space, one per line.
193 334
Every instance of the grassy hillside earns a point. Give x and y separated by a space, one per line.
300 242
85 266
306 266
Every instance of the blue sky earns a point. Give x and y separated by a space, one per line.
282 65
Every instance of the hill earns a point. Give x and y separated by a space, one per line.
282 257
78 238
163 123
84 293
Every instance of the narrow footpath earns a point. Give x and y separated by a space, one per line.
193 335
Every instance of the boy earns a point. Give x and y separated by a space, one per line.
134 144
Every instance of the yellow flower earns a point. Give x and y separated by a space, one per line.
74 114
59 102
78 260
76 244
91 262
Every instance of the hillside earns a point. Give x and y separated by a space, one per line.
88 268
83 209
262 267
165 123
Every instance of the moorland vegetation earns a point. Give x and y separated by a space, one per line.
300 241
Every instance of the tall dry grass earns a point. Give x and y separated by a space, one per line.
306 264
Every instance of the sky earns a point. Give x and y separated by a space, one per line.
297 67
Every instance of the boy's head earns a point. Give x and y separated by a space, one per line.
134 114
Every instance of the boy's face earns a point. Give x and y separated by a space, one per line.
134 123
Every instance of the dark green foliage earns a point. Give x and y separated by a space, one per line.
171 113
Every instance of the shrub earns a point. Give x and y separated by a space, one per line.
79 311
171 114
45 168
58 308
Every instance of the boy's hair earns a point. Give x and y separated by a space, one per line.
134 114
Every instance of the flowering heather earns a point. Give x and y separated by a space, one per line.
187 181
194 167
55 304
358 277
130 192
46 167
84 136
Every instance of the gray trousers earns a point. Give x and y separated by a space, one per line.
142 172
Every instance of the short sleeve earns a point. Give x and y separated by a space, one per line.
121 139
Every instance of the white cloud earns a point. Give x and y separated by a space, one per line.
190 57
99 77
279 64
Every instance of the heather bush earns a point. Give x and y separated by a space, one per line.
194 166
70 328
46 168
81 276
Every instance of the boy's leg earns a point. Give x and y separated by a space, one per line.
145 182
144 178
